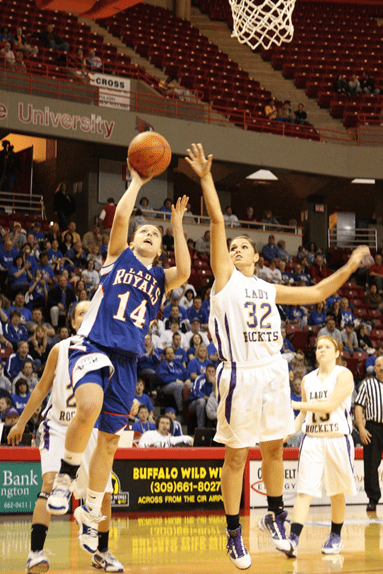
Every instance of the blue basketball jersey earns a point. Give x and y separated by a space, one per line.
127 300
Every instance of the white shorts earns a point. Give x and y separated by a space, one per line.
254 402
52 444
328 460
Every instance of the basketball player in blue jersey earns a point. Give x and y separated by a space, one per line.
60 409
252 380
102 362
327 451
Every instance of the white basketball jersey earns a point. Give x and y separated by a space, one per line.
244 321
61 406
322 424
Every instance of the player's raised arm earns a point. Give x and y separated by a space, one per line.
118 241
176 276
37 396
320 291
220 261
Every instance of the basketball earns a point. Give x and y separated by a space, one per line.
149 154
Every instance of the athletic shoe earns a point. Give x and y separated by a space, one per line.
236 549
333 545
37 563
58 500
106 561
275 525
294 541
88 528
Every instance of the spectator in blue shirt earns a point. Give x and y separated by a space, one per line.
182 313
147 364
176 313
317 316
167 207
287 278
21 395
300 278
370 362
25 314
270 250
36 231
143 424
197 366
287 348
37 292
202 389
197 311
19 275
27 256
331 300
179 353
46 270
175 428
283 254
8 252
173 377
54 253
143 398
297 315
212 353
15 361
13 331
347 316
296 393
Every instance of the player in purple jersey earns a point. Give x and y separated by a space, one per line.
252 382
103 358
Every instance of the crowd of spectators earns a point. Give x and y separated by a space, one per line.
354 86
47 273
285 113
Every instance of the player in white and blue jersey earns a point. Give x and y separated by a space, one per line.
327 451
103 359
252 380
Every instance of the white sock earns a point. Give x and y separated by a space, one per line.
72 457
94 501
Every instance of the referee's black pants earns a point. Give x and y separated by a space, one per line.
372 457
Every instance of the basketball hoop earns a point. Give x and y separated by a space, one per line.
262 22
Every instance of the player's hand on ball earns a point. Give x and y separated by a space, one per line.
200 164
361 256
136 176
135 406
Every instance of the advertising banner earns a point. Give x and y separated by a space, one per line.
150 485
20 483
258 492
114 92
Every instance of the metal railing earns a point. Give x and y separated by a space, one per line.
205 220
22 203
351 238
60 83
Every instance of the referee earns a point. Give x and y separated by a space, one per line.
370 399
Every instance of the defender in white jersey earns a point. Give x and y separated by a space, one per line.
252 381
60 410
327 450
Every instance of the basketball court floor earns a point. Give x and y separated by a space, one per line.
195 544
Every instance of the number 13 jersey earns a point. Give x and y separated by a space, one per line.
127 300
244 321
325 424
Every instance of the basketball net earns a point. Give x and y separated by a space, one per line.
262 22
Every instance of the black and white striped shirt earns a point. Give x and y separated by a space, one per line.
370 397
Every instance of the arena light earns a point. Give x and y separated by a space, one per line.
262 175
364 181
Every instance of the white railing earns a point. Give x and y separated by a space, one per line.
351 238
23 203
204 219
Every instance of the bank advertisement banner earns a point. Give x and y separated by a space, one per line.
150 485
258 492
20 483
